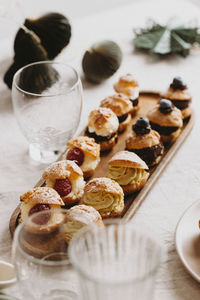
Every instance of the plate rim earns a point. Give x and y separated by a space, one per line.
180 254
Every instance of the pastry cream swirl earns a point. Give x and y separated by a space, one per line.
103 202
125 175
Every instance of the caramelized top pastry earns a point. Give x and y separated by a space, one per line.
66 178
41 199
128 86
105 195
118 103
79 216
103 122
84 151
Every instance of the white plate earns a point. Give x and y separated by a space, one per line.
187 240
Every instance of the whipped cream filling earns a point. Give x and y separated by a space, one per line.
103 202
125 175
107 128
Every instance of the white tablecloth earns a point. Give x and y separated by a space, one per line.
178 186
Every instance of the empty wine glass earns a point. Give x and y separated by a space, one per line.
47 101
115 262
40 257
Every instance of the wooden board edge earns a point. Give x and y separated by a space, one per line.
160 168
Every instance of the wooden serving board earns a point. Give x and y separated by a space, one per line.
146 100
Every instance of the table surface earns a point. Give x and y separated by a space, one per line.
177 187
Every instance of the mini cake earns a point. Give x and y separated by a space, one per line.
129 170
179 95
102 126
166 119
66 178
41 199
105 195
85 152
145 142
121 106
128 86
79 216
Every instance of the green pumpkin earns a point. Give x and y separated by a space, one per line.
101 61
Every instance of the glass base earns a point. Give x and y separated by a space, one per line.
60 295
43 156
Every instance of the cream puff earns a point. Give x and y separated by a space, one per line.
121 106
128 86
145 142
79 216
166 119
66 178
85 152
180 96
41 199
103 126
129 170
105 195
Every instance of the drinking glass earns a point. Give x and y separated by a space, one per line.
47 101
39 254
115 262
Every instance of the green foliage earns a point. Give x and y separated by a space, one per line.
165 40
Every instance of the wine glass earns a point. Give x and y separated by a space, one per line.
47 101
117 261
39 254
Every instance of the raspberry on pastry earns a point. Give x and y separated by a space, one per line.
121 106
129 170
103 126
128 86
37 200
180 96
145 142
105 195
166 119
85 152
79 216
66 178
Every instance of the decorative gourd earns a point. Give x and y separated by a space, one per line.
101 61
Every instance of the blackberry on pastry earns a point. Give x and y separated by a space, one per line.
128 86
166 119
85 152
66 178
180 96
103 126
128 170
121 106
145 142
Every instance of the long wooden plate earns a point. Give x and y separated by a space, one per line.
147 100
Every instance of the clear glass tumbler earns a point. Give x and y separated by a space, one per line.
40 257
47 101
115 262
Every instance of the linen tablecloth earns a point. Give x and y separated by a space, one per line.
177 187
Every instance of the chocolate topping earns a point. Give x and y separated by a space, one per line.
177 84
181 104
99 138
166 106
149 154
164 130
122 118
142 126
134 101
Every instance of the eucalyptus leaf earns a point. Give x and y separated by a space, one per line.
165 40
